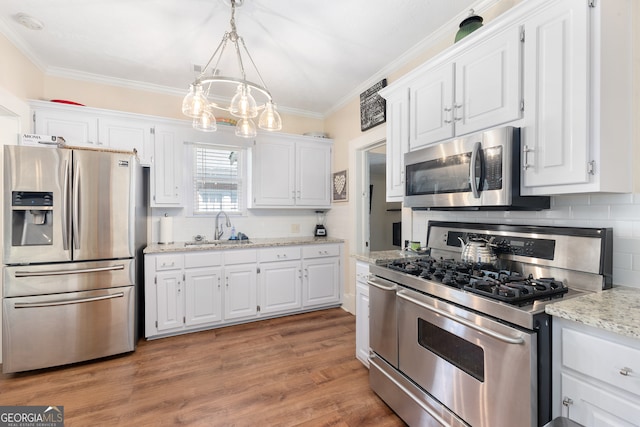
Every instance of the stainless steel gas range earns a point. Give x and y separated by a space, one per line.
466 343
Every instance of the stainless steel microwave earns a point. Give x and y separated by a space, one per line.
475 172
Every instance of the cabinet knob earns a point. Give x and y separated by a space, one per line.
625 371
567 401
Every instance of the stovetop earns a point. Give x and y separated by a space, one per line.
484 279
474 296
536 265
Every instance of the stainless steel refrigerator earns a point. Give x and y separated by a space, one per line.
74 222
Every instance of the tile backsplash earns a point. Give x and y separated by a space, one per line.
621 212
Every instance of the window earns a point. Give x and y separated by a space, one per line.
218 179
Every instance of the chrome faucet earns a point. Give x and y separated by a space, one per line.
218 232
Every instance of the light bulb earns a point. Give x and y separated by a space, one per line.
270 119
242 104
246 128
205 122
195 102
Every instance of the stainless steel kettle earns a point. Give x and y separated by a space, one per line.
478 251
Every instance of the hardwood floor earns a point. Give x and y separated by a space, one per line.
293 371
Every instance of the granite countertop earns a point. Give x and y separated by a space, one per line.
614 310
156 248
385 257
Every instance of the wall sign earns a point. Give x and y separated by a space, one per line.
373 107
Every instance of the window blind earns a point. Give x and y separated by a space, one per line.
217 180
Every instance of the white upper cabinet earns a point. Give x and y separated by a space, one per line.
167 166
577 72
477 88
313 174
431 110
289 171
120 133
488 83
397 141
95 128
77 128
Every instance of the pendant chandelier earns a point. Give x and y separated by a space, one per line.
199 102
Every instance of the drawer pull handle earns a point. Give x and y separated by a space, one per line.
625 371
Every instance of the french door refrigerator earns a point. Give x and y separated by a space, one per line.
74 222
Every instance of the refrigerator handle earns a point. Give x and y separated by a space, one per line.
65 208
67 272
76 206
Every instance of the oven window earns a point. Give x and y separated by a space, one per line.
455 350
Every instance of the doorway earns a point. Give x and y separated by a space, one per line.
383 219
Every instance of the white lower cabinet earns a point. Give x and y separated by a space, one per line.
240 292
169 301
280 286
320 281
203 296
198 290
596 376
362 312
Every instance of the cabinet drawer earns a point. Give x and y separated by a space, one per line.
281 253
203 259
243 256
318 251
607 361
169 262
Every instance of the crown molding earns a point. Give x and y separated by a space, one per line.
412 53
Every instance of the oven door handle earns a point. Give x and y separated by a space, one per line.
376 284
413 397
462 321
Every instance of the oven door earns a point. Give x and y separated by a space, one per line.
383 331
482 370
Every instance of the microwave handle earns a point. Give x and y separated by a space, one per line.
472 170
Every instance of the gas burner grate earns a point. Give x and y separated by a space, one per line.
483 279
515 289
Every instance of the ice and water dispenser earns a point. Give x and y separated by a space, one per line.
31 218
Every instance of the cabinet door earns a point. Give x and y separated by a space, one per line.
240 292
76 128
273 172
313 171
397 142
166 170
127 134
431 104
594 406
170 300
488 90
556 52
321 282
362 323
280 288
203 296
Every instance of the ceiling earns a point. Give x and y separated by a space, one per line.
313 55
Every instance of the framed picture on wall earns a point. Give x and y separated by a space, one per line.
373 107
340 186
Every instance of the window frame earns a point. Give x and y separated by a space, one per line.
189 182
